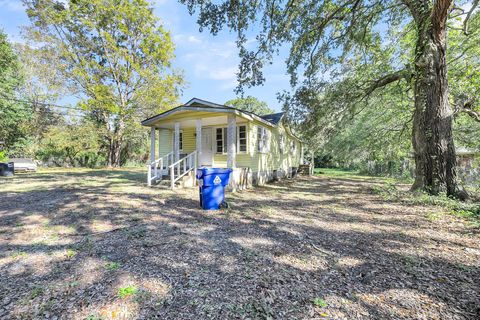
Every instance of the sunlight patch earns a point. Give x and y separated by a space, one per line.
253 242
406 303
349 262
305 263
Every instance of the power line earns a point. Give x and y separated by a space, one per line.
45 104
63 113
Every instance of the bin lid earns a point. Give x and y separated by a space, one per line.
205 171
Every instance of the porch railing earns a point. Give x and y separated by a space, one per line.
182 167
158 168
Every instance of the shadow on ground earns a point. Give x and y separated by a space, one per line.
101 244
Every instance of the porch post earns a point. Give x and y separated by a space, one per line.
152 145
176 141
301 154
312 164
159 143
231 140
198 142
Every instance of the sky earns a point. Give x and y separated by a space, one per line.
209 63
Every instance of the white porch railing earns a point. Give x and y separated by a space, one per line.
158 168
182 167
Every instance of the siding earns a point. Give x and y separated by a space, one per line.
256 161
274 159
166 142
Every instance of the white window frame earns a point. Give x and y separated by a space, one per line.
238 139
263 141
180 136
224 142
224 138
293 147
281 142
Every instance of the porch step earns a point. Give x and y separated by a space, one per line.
185 181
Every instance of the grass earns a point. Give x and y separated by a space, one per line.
356 175
19 254
318 302
469 211
128 291
36 292
389 191
70 253
112 266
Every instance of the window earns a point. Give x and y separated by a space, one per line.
242 139
262 139
181 140
281 144
221 139
293 147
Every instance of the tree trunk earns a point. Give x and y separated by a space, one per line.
114 150
433 145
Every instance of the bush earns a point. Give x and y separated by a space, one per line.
3 156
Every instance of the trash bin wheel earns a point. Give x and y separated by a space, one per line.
224 205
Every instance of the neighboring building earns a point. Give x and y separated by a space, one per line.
468 165
201 133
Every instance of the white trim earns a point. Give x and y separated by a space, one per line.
218 109
265 136
246 138
204 102
173 139
224 152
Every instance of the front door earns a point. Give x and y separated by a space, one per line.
207 153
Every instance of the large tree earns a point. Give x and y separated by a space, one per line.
250 104
114 54
324 36
13 114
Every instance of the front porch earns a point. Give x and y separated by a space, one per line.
180 145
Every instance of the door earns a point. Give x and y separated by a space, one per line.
206 156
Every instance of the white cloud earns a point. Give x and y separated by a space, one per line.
181 39
209 59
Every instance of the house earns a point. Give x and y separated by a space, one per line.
202 133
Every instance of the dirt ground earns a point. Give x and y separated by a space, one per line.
99 244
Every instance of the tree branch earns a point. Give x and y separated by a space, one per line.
465 105
469 14
398 75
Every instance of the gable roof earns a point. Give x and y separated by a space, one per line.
196 104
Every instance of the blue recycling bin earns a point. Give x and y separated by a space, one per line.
212 183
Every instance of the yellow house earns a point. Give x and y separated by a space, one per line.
202 133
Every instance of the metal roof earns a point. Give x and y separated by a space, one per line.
274 118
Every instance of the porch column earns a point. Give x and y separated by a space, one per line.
231 141
152 144
176 142
159 143
198 141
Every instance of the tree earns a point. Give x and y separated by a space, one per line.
114 54
13 114
250 104
326 36
73 143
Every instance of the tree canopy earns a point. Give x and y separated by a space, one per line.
13 114
114 54
361 47
250 104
